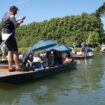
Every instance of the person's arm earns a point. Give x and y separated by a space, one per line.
20 19
13 19
16 23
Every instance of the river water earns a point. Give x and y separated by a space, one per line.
84 85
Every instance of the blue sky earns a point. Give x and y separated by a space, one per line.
39 10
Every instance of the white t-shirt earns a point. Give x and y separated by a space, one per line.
36 59
13 19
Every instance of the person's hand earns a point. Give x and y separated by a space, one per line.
20 20
23 18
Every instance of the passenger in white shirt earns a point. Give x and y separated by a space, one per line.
36 58
37 62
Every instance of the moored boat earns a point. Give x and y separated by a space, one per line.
102 49
3 61
75 56
83 56
83 53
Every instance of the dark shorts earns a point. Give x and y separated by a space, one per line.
11 44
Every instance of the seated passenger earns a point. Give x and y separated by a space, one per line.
36 58
67 59
61 57
80 53
49 58
44 59
27 62
57 59
37 62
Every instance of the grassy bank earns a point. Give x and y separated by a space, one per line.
78 49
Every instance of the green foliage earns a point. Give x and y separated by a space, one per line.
22 49
101 10
68 29
102 39
93 38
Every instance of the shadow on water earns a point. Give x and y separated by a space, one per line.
69 87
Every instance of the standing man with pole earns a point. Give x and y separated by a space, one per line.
9 24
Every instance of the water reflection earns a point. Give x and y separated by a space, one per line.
86 79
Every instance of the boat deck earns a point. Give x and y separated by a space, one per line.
5 72
8 73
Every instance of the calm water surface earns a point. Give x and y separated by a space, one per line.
84 85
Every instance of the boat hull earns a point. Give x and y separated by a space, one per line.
24 76
81 57
103 52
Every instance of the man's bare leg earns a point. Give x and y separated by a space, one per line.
16 59
10 59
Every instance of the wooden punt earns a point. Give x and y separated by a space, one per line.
25 76
3 61
102 49
103 52
81 57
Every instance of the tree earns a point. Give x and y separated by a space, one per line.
100 11
93 39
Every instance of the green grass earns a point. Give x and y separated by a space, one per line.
78 49
22 49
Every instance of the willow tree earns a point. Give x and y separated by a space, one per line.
100 11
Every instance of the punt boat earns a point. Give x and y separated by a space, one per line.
30 75
26 76
75 56
102 49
